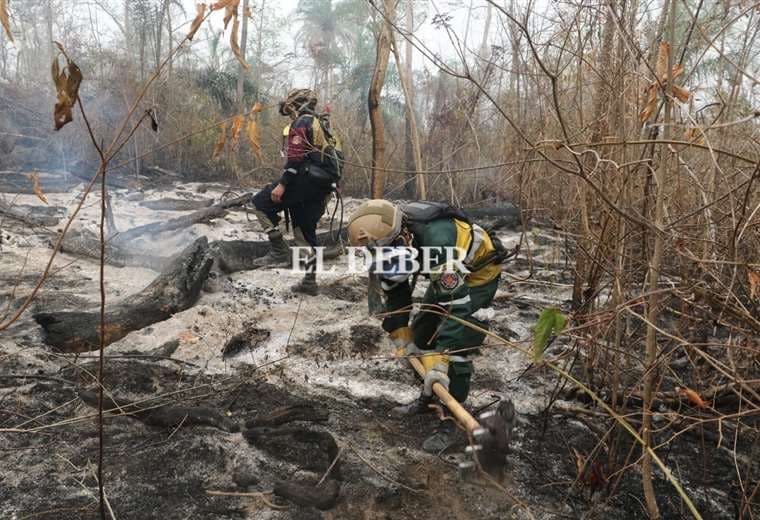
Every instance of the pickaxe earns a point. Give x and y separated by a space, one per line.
489 436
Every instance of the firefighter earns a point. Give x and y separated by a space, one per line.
394 234
311 173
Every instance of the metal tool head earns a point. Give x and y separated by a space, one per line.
490 443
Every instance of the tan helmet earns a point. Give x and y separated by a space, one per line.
375 223
298 99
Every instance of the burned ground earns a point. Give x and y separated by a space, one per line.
300 378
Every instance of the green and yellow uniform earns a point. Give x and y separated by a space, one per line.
456 293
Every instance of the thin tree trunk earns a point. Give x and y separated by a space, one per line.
259 51
382 56
650 379
413 136
409 156
243 46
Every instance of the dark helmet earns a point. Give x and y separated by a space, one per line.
297 100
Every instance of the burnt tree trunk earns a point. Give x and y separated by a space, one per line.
176 204
175 290
43 216
210 213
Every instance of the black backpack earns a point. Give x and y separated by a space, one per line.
420 213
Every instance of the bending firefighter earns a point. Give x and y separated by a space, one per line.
396 235
311 173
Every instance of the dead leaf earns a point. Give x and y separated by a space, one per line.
67 82
220 142
681 93
237 125
5 19
35 178
693 397
252 130
200 12
754 284
248 13
230 10
257 107
234 44
661 70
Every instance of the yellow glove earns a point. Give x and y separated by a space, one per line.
436 371
403 339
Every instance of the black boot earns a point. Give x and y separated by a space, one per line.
416 407
278 255
443 437
308 285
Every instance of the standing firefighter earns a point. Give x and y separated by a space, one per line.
400 238
311 173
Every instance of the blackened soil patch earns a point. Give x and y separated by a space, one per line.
365 339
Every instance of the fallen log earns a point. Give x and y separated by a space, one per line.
306 412
21 182
232 256
176 204
86 244
38 216
307 494
203 215
175 290
163 416
313 450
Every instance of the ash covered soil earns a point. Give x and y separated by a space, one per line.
304 380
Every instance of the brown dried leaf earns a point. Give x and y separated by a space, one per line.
230 9
248 13
200 12
651 103
35 178
220 142
234 44
257 107
661 69
754 284
252 131
67 83
693 397
5 19
237 125
681 93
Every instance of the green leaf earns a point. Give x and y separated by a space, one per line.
550 323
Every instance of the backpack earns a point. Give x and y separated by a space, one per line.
325 165
420 213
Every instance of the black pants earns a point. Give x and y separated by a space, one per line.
304 202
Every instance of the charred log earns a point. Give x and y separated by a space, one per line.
163 416
177 204
307 412
87 244
312 450
40 216
21 182
204 215
175 290
307 494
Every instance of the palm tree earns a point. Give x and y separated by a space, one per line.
327 36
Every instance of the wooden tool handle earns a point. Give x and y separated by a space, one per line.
461 415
